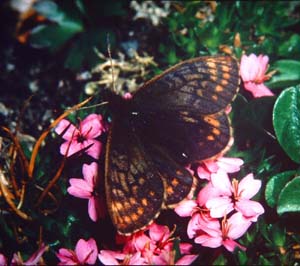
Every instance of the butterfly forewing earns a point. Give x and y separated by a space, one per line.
205 85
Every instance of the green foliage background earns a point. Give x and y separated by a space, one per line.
266 130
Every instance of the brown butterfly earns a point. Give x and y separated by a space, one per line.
175 119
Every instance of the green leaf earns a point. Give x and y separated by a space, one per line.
242 257
49 10
278 235
291 47
288 74
275 185
289 197
50 36
286 121
66 23
220 260
263 261
58 14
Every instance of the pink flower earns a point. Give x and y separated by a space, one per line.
154 248
85 253
158 239
3 260
108 257
158 248
83 138
228 165
33 260
253 72
198 221
127 96
86 189
234 195
217 235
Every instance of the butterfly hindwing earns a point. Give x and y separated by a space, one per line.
186 137
178 181
134 188
141 180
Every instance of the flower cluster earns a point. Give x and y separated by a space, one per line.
154 246
223 211
79 139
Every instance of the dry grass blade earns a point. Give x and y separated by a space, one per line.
8 196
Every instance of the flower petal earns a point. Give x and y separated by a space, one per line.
262 61
203 173
250 209
203 223
185 248
238 225
193 226
95 148
86 251
230 245
71 130
66 257
73 148
140 241
158 232
206 193
211 166
258 90
220 181
90 173
79 188
209 241
230 165
36 256
247 66
185 208
92 209
3 260
248 187
219 206
92 126
137 259
108 257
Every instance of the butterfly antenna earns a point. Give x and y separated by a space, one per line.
111 64
94 105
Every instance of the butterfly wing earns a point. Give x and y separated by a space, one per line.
137 186
174 119
182 110
186 138
202 85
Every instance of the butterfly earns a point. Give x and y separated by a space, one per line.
175 119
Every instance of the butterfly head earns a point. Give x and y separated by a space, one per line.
116 103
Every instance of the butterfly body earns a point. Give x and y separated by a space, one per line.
174 120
